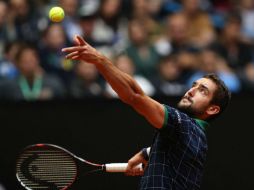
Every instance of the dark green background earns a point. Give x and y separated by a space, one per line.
109 131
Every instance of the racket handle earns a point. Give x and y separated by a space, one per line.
119 167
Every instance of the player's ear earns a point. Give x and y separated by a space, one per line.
213 109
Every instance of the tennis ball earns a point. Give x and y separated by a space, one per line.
56 14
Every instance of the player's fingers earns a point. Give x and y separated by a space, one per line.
137 173
77 57
80 40
133 169
134 172
129 170
72 49
71 55
76 41
130 173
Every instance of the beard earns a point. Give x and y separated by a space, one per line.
186 109
186 106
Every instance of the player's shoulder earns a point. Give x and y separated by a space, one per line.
177 117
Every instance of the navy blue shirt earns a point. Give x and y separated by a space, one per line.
177 155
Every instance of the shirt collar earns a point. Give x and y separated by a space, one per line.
203 124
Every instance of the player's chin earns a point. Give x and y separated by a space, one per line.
184 104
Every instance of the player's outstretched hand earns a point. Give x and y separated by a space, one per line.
82 51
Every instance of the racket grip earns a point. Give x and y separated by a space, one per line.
119 167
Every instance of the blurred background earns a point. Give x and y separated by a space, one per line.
164 44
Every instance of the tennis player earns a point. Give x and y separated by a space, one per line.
175 160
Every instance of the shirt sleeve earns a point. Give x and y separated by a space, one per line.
175 122
173 117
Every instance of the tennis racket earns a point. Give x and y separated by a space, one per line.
51 167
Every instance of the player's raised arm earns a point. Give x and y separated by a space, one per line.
124 85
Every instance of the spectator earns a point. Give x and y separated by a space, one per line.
110 28
248 78
4 38
23 21
142 53
187 60
230 44
168 82
237 53
139 9
88 14
154 8
33 83
176 38
70 22
145 30
125 64
200 29
211 62
148 12
8 68
86 82
247 14
53 61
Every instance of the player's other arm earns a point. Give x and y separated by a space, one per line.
125 86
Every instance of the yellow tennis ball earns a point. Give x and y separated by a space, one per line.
56 14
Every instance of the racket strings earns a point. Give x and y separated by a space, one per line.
46 169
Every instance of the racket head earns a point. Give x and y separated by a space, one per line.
46 166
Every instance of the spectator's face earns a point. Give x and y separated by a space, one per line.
28 62
140 7
154 6
191 6
196 100
69 6
247 4
187 60
169 70
110 8
55 37
11 54
137 33
125 64
86 71
208 61
139 4
87 25
21 7
177 28
232 30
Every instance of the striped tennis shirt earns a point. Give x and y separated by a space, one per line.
177 155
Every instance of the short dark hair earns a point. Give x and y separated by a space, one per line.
221 96
25 46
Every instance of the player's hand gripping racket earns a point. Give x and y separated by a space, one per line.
47 166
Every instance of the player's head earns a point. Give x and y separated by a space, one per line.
206 99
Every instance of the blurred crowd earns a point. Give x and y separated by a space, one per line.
164 44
